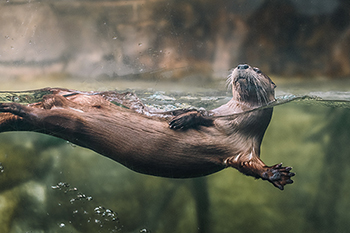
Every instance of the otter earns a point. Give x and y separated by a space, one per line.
183 143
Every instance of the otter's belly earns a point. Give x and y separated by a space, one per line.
148 145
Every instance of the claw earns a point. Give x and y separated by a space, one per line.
289 181
279 176
279 186
175 125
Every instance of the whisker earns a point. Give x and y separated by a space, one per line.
263 92
229 81
257 89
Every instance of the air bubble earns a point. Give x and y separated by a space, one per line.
61 225
71 144
97 221
144 230
1 168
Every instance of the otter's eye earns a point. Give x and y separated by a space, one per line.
257 70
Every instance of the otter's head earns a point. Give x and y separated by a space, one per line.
251 86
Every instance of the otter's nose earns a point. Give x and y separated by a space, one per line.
242 67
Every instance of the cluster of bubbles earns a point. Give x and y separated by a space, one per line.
64 187
106 214
107 219
104 218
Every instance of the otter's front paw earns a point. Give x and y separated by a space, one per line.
279 176
191 119
184 121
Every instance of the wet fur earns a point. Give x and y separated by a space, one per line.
196 143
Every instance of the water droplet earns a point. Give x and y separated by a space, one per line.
61 225
140 44
114 38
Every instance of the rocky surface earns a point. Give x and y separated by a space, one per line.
198 38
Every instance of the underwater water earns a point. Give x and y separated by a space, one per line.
50 185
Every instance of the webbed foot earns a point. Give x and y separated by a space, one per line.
279 176
191 119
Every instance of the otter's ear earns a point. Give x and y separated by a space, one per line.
273 85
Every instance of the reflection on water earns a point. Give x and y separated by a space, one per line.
309 132
25 97
173 100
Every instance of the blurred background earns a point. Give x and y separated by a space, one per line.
178 53
112 39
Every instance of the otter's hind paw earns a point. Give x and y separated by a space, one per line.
279 176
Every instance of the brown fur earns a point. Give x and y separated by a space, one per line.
197 143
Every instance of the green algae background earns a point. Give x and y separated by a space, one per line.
313 140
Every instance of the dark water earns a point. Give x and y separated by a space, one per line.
49 185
